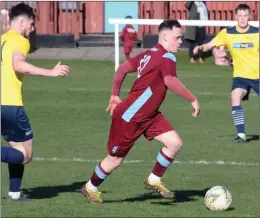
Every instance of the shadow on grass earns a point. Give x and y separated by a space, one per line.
179 197
252 137
53 191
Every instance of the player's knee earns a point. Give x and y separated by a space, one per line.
115 161
27 157
175 144
178 143
27 160
235 100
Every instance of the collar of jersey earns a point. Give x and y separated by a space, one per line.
239 30
160 47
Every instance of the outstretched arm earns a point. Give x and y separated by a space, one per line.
218 40
21 66
204 48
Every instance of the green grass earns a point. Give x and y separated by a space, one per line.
69 121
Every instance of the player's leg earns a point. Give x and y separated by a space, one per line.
240 91
118 147
162 131
16 171
127 51
17 132
191 47
200 38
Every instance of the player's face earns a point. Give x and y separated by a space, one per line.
242 17
27 26
174 39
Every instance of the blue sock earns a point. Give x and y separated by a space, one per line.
238 117
15 177
11 155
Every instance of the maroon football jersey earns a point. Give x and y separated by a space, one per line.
149 89
128 35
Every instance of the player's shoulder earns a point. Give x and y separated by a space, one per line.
253 29
169 55
160 54
14 38
233 30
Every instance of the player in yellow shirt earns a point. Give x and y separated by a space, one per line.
15 125
242 41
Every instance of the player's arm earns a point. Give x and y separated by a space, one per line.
168 70
122 35
218 40
20 65
21 48
119 76
177 87
129 66
122 70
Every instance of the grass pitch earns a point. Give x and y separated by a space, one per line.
71 129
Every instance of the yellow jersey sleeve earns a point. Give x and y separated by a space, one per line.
23 46
220 38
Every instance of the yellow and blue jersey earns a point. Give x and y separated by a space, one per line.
244 48
11 82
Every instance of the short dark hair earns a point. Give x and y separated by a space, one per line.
168 25
243 7
21 9
128 17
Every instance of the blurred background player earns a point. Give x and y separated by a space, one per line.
15 125
139 113
196 35
128 37
242 41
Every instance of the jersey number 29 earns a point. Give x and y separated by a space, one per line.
143 63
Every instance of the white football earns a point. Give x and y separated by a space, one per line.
218 198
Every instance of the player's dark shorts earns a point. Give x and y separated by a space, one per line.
124 134
246 84
15 124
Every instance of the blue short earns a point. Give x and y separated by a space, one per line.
246 84
15 124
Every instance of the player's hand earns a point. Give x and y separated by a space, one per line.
196 49
113 102
60 70
196 108
221 58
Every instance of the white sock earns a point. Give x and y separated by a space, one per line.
153 178
91 186
242 135
14 195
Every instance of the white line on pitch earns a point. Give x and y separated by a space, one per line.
199 162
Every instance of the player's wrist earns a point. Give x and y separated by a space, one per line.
115 96
193 99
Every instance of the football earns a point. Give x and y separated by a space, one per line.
218 198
